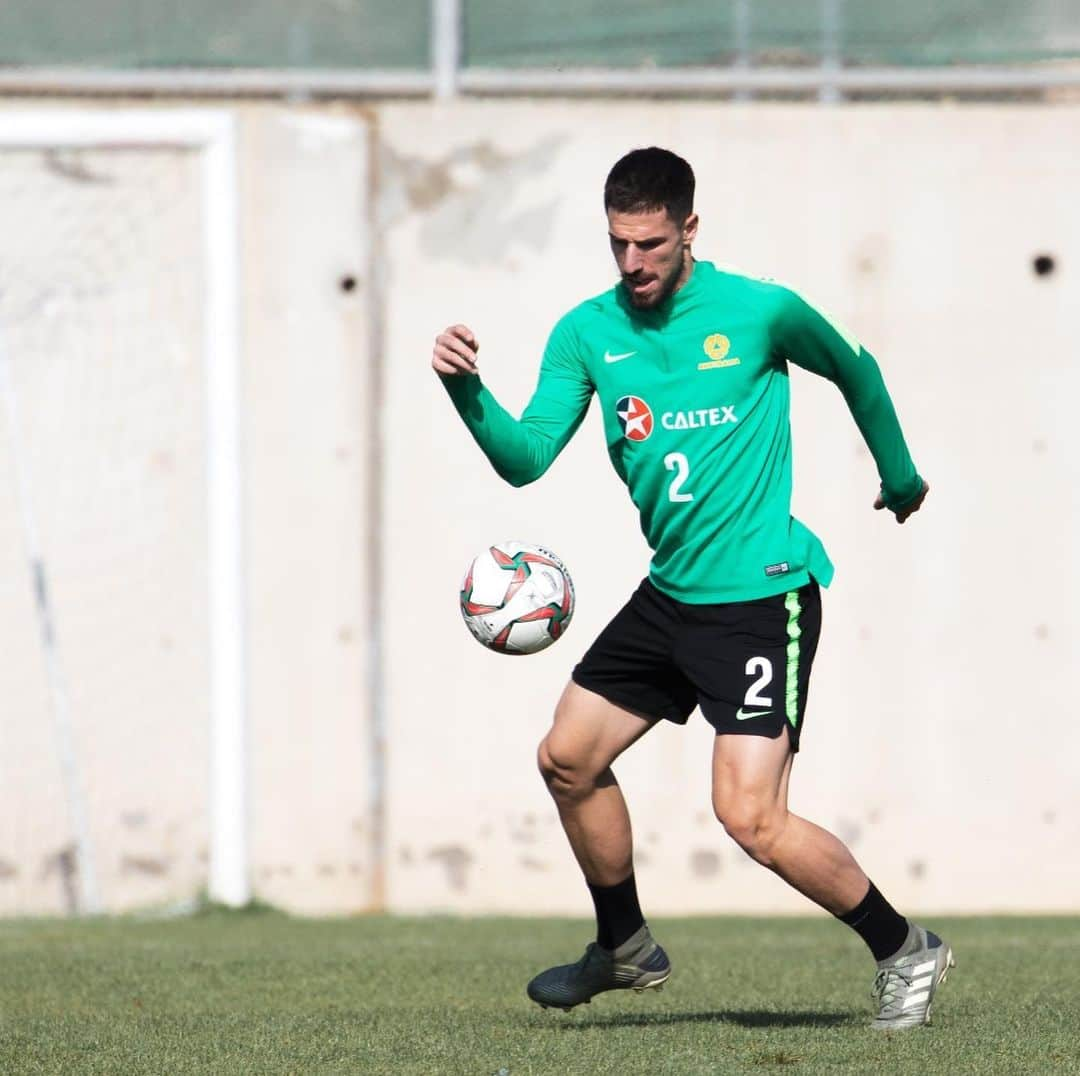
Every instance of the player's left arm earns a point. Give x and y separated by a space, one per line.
806 337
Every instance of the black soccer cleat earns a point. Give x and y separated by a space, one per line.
638 964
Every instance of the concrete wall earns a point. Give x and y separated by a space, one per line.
941 738
310 410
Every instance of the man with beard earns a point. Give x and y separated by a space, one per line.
690 364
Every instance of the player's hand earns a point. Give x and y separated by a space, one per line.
455 351
908 509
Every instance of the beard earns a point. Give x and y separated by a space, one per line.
667 286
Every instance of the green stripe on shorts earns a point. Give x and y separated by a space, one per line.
794 633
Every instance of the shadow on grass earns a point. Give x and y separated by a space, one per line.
747 1018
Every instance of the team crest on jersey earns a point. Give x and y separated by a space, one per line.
717 347
635 418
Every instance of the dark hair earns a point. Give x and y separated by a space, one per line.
648 179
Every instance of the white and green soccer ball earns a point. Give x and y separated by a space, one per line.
517 598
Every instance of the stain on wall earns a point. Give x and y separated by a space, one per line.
456 860
148 865
469 199
705 863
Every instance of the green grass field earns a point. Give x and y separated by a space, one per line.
259 992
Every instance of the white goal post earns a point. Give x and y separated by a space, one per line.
210 132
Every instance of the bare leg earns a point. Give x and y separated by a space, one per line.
750 787
750 790
575 758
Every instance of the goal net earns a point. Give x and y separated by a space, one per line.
105 594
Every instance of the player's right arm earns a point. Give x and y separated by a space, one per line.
520 450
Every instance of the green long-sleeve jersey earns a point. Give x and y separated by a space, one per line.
696 401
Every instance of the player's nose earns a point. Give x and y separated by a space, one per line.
632 261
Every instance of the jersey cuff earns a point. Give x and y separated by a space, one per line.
898 504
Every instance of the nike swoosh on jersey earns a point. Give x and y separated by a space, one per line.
742 715
608 357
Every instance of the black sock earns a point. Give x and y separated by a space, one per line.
618 914
878 923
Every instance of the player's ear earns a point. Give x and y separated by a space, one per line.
689 229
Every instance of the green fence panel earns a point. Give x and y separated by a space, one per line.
600 33
201 33
395 34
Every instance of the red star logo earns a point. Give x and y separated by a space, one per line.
635 418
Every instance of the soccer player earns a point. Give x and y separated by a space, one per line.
690 364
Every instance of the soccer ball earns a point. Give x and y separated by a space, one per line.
517 598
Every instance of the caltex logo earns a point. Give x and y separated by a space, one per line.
635 418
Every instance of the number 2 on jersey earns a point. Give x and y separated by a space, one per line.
677 462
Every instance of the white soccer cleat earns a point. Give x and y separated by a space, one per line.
904 987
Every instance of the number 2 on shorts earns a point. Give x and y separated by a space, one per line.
762 667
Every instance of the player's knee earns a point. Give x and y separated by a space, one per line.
754 827
566 777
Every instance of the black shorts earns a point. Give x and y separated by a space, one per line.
746 664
